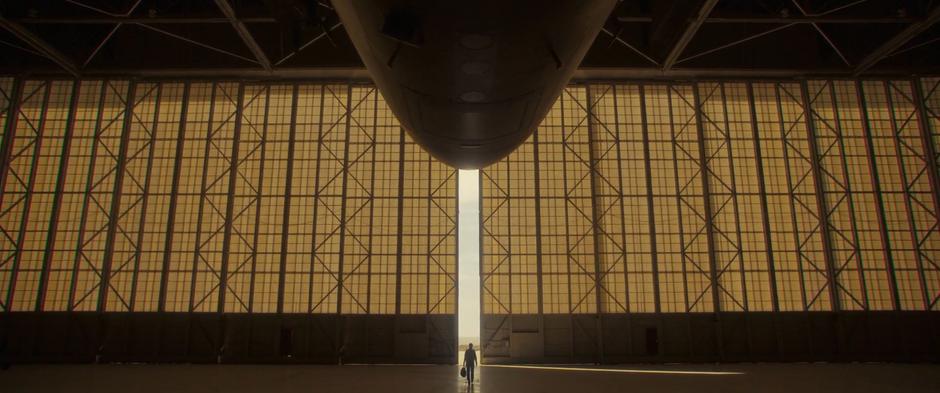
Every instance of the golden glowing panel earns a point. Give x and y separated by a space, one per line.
218 122
104 132
184 258
899 156
607 130
221 197
429 266
734 194
780 226
639 158
801 278
718 124
19 140
302 198
630 198
140 235
929 92
358 202
385 219
679 209
8 217
509 241
537 235
63 250
329 191
38 143
846 181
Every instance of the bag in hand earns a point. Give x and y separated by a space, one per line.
463 372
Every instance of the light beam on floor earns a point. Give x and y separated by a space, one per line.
618 370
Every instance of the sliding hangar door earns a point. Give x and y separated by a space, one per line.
220 221
700 221
718 221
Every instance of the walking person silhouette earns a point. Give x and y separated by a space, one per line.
470 362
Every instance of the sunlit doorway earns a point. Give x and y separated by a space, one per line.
468 232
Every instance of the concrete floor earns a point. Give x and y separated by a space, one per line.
800 378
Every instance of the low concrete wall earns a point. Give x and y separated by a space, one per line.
82 337
710 337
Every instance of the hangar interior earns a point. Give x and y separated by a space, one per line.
717 221
221 182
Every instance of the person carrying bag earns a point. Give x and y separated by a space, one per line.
469 363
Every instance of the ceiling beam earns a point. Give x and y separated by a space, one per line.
246 36
40 45
582 74
109 20
811 19
756 19
689 33
832 44
897 41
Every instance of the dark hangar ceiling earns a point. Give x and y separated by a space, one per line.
304 38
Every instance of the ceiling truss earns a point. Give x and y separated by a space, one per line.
305 39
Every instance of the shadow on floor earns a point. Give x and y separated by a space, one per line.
730 378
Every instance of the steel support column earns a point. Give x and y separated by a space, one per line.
399 247
202 200
926 132
427 255
259 192
57 199
27 199
375 116
706 195
288 187
729 147
116 198
912 223
174 192
709 223
879 200
793 217
89 185
230 203
623 225
6 148
564 171
821 206
480 235
850 199
595 224
647 168
316 203
9 133
930 158
762 189
141 227
342 225
540 295
678 191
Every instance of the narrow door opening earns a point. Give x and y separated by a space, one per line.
468 282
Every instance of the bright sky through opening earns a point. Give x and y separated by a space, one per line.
468 232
